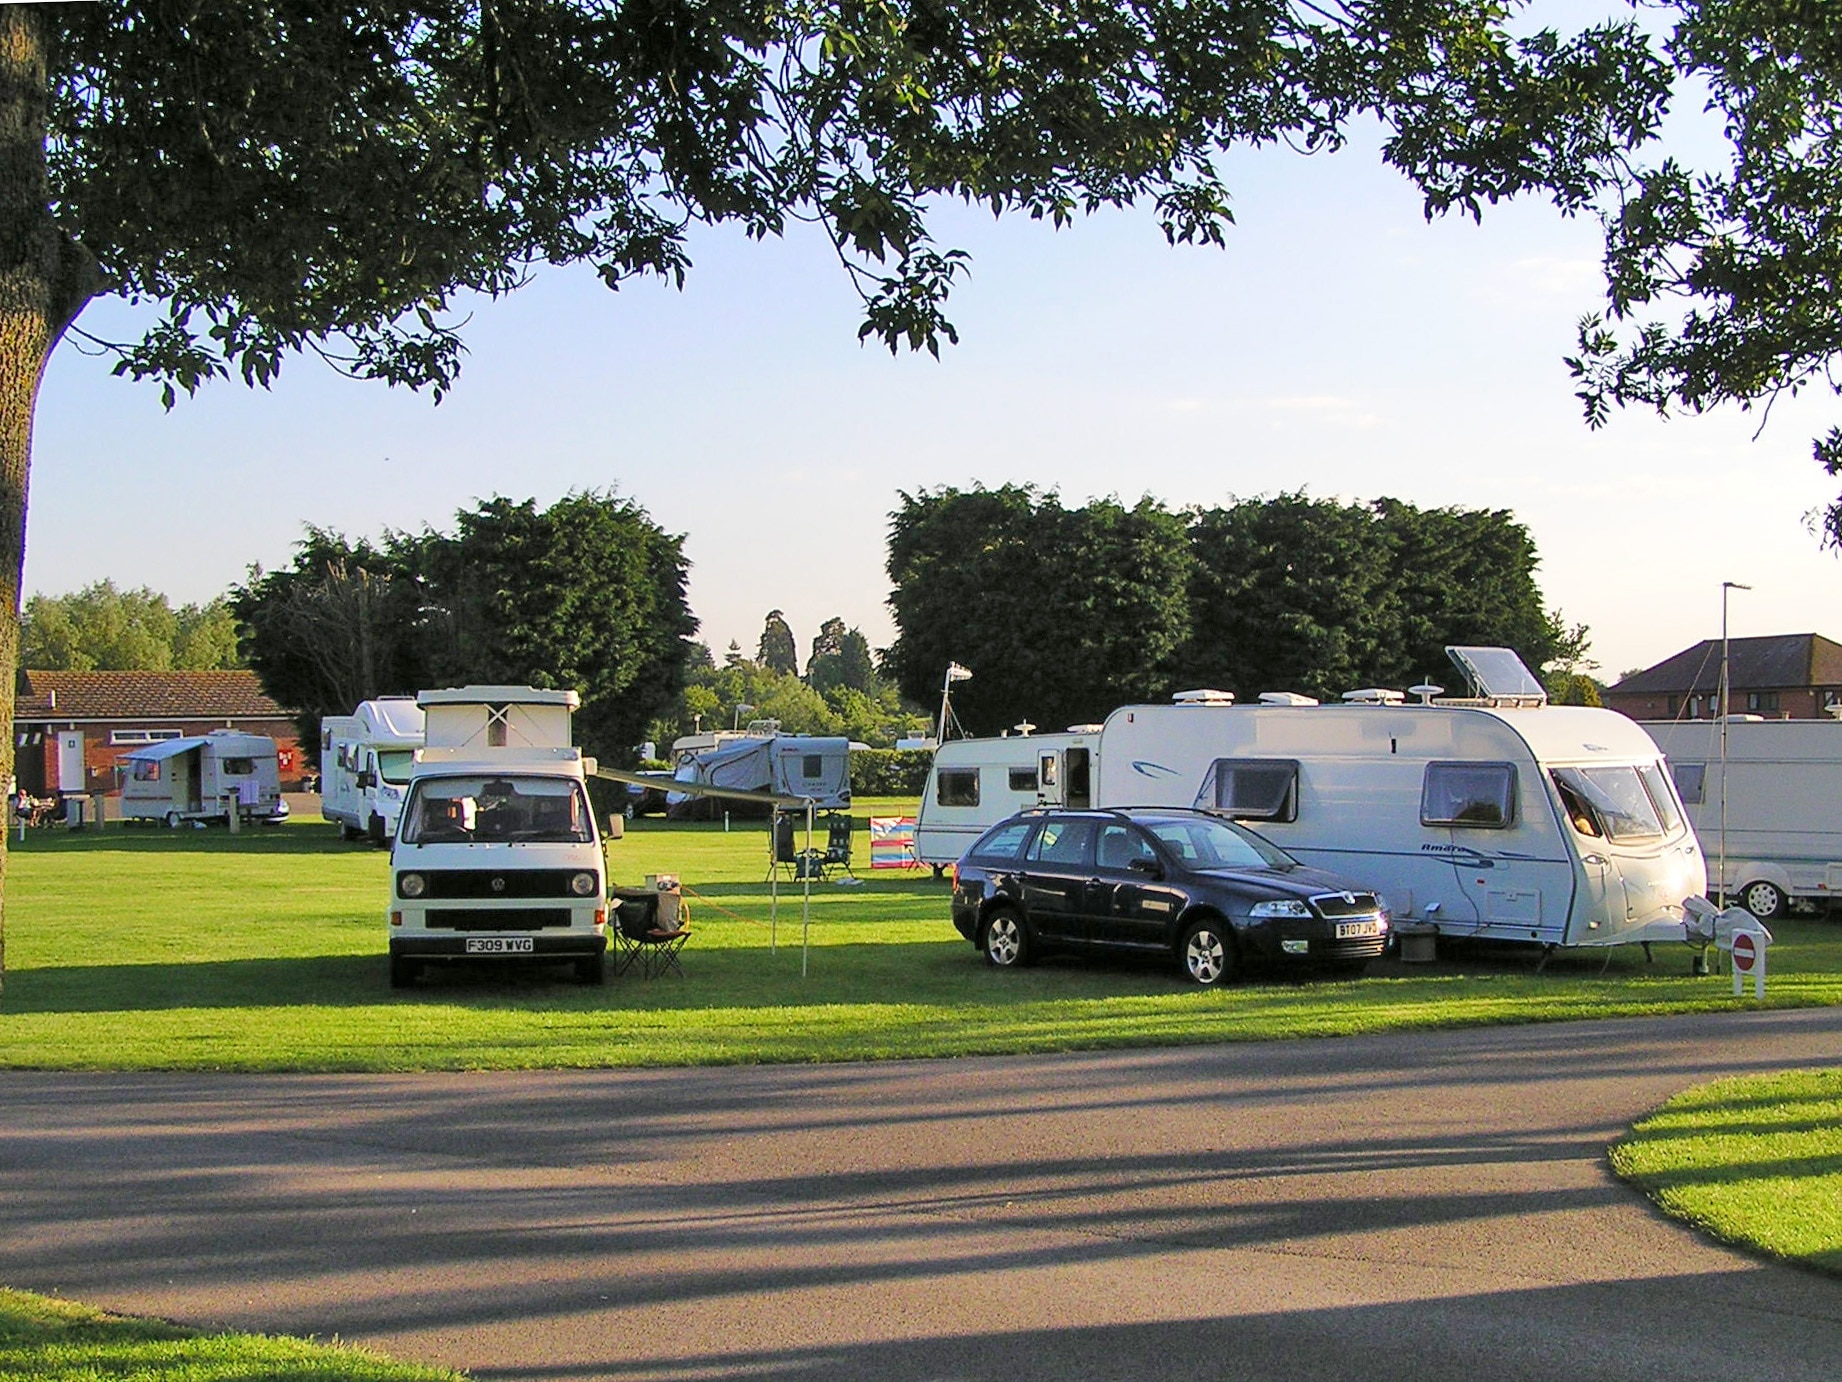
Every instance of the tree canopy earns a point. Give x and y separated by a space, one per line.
105 629
779 650
1064 615
588 594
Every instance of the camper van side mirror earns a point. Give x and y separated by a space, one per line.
617 825
366 780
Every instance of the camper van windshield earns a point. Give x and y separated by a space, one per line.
393 765
1620 806
496 810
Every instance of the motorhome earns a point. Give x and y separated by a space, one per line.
975 783
1495 815
364 766
1782 792
204 778
497 855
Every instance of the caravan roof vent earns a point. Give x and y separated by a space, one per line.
1085 729
1285 698
1426 691
1498 676
1374 695
1023 727
1202 697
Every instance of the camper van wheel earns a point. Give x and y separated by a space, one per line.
403 972
172 820
1007 939
1764 900
1208 952
592 969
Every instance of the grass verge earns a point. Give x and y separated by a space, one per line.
47 1340
156 949
1756 1162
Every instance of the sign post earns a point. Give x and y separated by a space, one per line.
1745 942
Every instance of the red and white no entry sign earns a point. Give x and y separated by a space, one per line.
1744 952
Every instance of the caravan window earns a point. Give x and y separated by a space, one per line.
811 765
1023 779
1477 795
146 770
1616 797
1256 789
1661 795
1691 781
236 767
957 787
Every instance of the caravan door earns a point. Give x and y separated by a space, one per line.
1496 851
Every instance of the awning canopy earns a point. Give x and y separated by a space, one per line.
166 748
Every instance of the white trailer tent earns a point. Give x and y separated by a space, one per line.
203 779
808 767
365 758
1783 792
975 783
1497 817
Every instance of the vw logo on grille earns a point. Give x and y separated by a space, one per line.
498 885
1350 898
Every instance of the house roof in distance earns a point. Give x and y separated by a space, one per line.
1772 661
222 695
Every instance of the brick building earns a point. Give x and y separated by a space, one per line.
1788 676
70 729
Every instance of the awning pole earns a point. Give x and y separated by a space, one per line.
806 916
774 876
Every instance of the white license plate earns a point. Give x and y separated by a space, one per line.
500 945
1355 930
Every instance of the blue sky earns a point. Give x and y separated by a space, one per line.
1340 344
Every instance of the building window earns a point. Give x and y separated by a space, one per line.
143 736
1762 702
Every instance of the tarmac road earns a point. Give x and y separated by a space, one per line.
1424 1206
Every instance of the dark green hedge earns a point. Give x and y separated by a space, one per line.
889 772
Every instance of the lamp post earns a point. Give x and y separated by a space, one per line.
1726 694
954 673
742 708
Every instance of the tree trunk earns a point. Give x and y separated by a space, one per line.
44 281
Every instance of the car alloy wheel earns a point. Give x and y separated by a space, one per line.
1007 945
1208 954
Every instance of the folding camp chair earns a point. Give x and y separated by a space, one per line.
641 938
837 844
800 863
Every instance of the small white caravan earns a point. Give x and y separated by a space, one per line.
497 854
1783 794
203 779
790 765
364 765
975 783
1495 816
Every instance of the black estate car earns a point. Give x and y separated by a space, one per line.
1209 893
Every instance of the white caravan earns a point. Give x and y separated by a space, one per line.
497 855
364 765
1496 817
975 783
1784 805
792 765
203 779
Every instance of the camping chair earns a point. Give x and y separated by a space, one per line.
801 863
640 938
837 844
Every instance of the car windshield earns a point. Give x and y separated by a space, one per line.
1206 842
393 765
494 810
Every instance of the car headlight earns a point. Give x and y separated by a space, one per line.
1280 907
411 885
584 885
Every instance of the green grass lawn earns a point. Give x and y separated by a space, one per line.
196 949
1755 1161
47 1340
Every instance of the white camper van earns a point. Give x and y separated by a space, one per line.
364 766
1496 816
975 783
497 855
203 779
1783 794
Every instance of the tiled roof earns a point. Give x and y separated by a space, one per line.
1774 662
143 695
